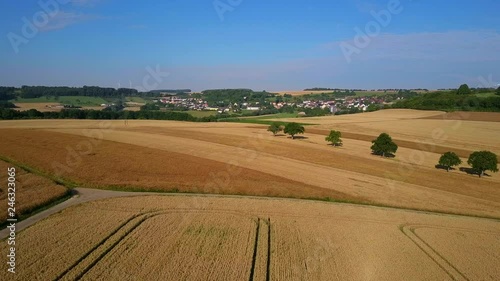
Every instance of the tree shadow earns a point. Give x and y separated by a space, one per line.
338 145
441 167
471 171
387 155
300 138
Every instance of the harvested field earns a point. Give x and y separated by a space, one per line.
32 191
112 164
412 126
48 106
229 158
444 241
42 107
468 116
180 237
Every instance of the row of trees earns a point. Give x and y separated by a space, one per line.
10 114
383 145
461 99
91 91
9 93
480 161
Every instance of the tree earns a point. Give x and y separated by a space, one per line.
275 128
498 91
482 161
384 145
334 138
293 129
464 90
449 159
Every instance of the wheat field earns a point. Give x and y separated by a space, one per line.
182 237
32 191
400 217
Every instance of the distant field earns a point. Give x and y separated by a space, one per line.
468 116
274 116
40 106
300 93
136 99
374 93
358 94
200 113
485 95
72 100
235 238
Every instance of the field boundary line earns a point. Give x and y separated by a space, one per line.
58 180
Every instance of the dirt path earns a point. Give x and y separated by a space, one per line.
80 195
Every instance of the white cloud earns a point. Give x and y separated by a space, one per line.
85 3
63 19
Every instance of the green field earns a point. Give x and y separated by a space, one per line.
485 95
271 116
73 100
199 113
135 99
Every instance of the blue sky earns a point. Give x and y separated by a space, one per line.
259 44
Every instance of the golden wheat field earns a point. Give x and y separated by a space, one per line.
230 158
184 237
31 191
407 221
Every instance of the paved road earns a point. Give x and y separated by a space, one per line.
81 195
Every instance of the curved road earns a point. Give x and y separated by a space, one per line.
81 195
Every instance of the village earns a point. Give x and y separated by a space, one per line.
361 104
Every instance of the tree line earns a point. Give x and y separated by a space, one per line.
10 114
462 99
10 93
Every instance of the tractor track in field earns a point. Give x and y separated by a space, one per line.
409 231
